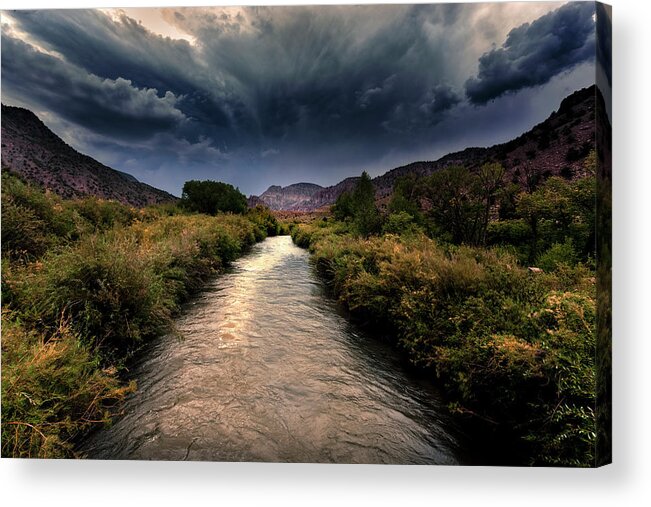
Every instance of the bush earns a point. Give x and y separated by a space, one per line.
557 254
401 223
24 234
343 207
103 215
33 221
358 207
104 285
267 222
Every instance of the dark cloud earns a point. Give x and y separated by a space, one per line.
262 72
122 47
323 72
444 97
268 95
113 107
113 48
535 52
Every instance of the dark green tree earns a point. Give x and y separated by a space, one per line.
367 218
457 208
266 219
405 197
491 183
343 208
557 211
211 197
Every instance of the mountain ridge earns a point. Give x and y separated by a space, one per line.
290 197
556 146
31 150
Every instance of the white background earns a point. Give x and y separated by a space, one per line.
627 482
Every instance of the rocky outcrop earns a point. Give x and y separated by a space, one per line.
292 197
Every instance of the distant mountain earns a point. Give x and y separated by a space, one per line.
33 151
292 197
328 195
557 146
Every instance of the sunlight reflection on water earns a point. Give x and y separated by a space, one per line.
269 370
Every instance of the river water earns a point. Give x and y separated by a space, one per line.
268 369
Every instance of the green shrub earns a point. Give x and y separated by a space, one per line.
400 223
513 232
267 222
24 234
102 285
557 254
344 207
33 221
101 214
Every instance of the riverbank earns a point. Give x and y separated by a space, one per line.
513 350
270 370
84 284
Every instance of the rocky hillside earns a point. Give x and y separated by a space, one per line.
328 195
557 146
34 152
293 197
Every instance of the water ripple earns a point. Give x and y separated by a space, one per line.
269 370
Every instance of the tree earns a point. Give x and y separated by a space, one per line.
366 216
405 197
559 210
491 181
457 208
343 207
263 216
211 197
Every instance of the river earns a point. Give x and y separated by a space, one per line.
268 369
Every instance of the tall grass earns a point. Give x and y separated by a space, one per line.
52 390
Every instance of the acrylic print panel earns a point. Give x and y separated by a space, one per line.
343 234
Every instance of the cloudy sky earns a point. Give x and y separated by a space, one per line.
256 96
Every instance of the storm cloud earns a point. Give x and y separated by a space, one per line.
112 107
444 97
274 95
535 52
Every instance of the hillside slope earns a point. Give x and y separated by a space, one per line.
31 150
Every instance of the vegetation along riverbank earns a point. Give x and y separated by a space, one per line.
85 283
489 287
